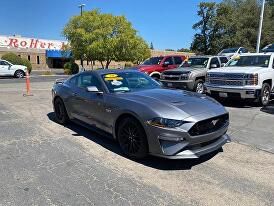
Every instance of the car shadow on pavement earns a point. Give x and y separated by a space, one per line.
269 109
150 161
238 103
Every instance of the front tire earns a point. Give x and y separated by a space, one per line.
265 94
199 86
132 138
19 74
60 111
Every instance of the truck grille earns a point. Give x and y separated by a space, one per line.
225 79
170 77
209 125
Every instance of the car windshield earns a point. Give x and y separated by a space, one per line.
230 50
269 48
249 61
153 61
196 62
129 82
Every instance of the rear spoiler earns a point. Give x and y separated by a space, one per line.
60 81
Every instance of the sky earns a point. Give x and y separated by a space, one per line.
165 23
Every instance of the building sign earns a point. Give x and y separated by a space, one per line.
30 43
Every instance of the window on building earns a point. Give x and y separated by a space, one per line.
29 57
38 60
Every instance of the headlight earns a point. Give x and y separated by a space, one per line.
251 79
165 123
185 76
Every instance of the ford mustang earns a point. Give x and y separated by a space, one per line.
142 116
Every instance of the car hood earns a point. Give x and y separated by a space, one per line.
144 67
241 70
172 103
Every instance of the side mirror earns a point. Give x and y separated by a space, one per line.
94 89
213 66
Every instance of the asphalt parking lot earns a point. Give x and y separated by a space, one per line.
44 163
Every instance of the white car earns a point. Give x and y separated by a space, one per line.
231 52
248 76
8 69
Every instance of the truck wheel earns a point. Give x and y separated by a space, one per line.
265 94
199 86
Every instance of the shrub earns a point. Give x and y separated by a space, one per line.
27 63
72 67
67 72
14 59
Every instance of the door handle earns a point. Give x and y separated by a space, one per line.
74 94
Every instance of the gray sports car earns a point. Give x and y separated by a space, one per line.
141 115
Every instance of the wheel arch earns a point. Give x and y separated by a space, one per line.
269 81
123 116
155 73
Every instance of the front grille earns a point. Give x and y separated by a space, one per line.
226 82
170 77
209 125
226 79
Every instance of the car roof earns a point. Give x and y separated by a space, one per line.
207 56
256 54
109 71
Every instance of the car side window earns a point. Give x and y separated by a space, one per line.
215 61
3 63
169 61
178 60
87 80
224 60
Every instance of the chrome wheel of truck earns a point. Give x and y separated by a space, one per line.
199 86
265 94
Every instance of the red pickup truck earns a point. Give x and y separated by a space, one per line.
154 66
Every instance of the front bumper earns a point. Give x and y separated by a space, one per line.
181 84
247 92
179 144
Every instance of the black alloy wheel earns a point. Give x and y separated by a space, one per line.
60 111
19 74
132 138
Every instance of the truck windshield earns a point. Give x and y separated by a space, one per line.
196 62
153 61
249 61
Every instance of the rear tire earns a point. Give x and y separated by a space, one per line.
265 94
132 138
60 111
199 86
19 74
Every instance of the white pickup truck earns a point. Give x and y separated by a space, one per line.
247 76
8 69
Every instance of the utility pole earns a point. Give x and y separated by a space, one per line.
81 6
260 28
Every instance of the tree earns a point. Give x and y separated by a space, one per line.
184 50
105 38
202 40
151 46
232 23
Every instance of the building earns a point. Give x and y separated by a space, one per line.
46 54
42 53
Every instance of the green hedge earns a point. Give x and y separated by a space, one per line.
71 68
14 59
